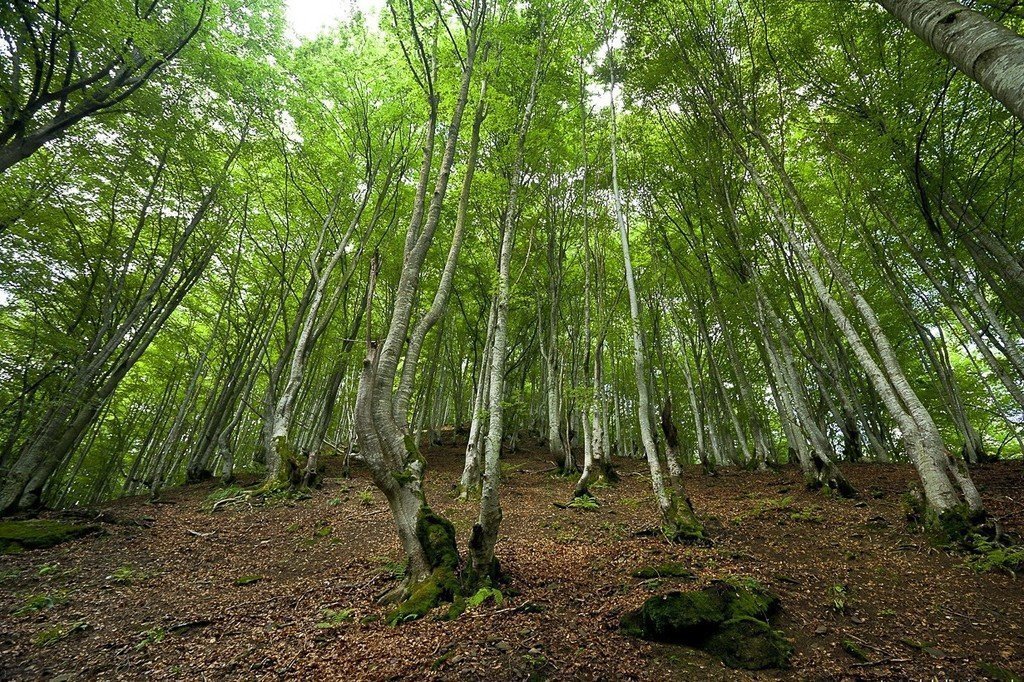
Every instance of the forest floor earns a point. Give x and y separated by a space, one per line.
287 590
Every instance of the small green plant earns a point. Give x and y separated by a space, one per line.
9 576
38 602
334 502
331 618
365 497
807 515
248 579
58 632
585 502
631 502
482 595
150 637
124 575
993 556
48 569
391 567
839 597
618 531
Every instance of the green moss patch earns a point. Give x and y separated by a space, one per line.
437 535
17 536
440 586
751 644
669 569
727 619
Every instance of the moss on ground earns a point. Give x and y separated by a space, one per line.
17 536
669 569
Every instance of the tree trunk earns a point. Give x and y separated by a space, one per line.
988 52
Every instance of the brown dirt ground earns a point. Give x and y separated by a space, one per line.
568 584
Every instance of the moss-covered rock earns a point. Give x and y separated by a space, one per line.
682 615
748 598
16 536
751 644
728 619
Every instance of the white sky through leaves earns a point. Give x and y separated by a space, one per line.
309 17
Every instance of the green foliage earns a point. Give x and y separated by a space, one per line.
365 497
838 597
807 515
125 575
586 502
989 555
484 594
38 602
394 569
331 618
150 637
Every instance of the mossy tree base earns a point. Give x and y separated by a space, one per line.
956 527
968 530
17 536
825 475
729 620
444 582
681 525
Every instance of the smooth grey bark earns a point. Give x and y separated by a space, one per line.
393 459
988 52
444 287
485 531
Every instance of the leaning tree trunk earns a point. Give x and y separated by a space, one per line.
988 52
388 450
